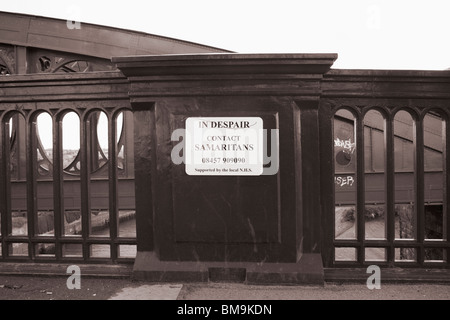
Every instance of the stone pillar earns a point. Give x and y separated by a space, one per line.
255 228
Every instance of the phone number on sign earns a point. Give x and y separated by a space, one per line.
223 160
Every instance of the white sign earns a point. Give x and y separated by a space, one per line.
225 146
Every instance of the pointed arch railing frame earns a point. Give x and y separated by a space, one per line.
360 91
417 92
30 95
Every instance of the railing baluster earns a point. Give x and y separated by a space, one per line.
85 132
390 188
419 192
112 170
4 177
446 205
58 199
7 172
31 160
360 205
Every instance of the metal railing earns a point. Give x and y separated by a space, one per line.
389 152
66 169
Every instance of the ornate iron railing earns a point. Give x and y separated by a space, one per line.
385 134
66 168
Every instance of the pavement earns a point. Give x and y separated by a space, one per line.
20 287
213 300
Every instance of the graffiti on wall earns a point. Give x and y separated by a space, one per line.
342 181
347 145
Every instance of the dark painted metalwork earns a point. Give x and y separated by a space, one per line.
34 184
198 222
390 188
286 218
38 244
390 92
418 194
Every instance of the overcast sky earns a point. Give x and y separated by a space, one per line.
375 34
366 34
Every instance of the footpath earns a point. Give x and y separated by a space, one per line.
96 288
